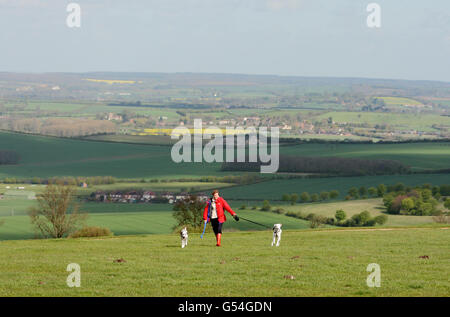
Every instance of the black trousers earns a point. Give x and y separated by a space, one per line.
217 226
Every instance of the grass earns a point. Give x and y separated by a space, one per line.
323 262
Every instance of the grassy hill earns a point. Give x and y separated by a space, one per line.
322 262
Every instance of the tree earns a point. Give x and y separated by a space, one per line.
334 194
266 206
408 205
286 197
314 197
294 199
399 187
57 215
381 219
353 192
324 195
447 203
340 215
305 197
316 221
436 190
426 195
372 191
381 190
362 191
362 218
189 212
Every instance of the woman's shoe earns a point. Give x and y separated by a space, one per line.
218 238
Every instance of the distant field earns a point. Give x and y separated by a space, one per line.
404 121
47 156
400 101
420 156
322 263
274 189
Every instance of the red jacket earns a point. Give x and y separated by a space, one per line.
220 205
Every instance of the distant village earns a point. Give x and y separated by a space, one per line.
142 197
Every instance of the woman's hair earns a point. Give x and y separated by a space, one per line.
214 191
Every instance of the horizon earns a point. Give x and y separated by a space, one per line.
223 73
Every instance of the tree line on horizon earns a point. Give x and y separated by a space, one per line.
325 165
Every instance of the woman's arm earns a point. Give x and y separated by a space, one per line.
228 208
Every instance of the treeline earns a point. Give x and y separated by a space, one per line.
9 157
67 180
363 219
233 179
291 141
59 127
307 197
168 105
331 165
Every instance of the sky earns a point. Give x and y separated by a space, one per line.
281 37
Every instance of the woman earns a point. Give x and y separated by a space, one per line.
214 212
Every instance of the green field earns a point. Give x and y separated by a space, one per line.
404 121
128 219
419 156
274 189
322 262
400 101
49 156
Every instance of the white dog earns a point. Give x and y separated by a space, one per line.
277 233
184 237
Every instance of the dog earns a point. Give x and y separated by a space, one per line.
277 234
184 237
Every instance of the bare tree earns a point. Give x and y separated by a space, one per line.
57 215
189 211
